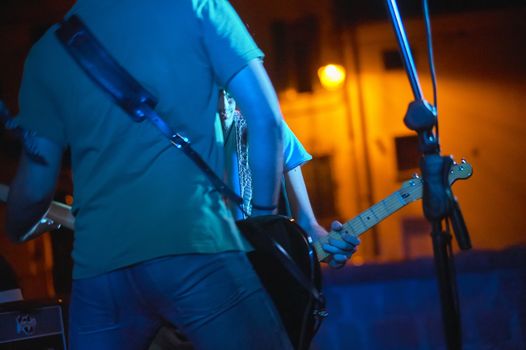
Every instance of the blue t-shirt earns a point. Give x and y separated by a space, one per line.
135 196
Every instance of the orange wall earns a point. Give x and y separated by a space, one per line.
480 59
481 81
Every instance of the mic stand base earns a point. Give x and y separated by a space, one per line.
446 280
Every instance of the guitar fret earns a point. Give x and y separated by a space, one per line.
359 225
381 209
400 199
386 208
396 202
348 228
367 218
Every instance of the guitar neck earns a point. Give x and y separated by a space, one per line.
411 191
364 221
61 213
58 212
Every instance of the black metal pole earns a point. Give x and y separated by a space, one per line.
444 267
405 50
439 203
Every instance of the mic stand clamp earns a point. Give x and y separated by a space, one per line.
438 200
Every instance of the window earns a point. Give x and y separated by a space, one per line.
321 188
392 60
295 52
407 156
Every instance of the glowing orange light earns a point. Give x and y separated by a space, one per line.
331 76
69 199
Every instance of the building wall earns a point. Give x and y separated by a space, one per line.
481 79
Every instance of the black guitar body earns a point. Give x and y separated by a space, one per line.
300 312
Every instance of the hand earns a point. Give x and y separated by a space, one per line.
340 250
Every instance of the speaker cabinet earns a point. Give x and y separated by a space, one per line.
31 326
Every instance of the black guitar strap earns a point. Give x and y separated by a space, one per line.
137 102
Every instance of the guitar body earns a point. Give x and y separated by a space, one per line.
298 309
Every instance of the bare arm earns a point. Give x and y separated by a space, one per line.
340 250
32 188
256 97
300 203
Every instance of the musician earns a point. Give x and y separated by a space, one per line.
295 192
154 240
238 176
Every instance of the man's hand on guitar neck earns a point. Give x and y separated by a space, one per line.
340 250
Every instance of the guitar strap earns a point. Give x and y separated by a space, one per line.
135 100
139 104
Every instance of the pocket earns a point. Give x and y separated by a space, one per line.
224 281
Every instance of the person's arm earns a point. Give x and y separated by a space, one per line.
300 203
256 97
302 211
32 189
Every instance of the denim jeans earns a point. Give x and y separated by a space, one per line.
217 300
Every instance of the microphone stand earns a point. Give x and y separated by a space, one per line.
439 204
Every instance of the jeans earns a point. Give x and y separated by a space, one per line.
216 300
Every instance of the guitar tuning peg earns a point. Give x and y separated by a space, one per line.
416 176
463 161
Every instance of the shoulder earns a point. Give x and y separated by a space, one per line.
45 55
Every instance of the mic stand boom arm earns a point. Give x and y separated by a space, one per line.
439 204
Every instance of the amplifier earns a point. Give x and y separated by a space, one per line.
31 326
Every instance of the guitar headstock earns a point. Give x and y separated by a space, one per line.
411 190
464 170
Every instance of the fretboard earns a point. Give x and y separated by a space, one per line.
370 217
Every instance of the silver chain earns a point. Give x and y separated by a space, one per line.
245 175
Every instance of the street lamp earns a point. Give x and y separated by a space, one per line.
332 76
